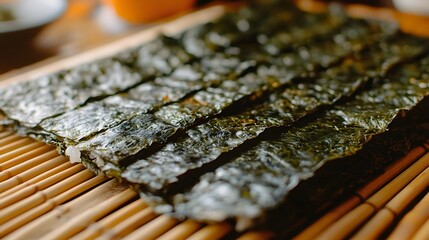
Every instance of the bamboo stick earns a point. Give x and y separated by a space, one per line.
423 233
48 205
4 134
355 218
130 224
42 196
392 171
212 232
9 139
25 157
377 225
21 150
380 198
412 221
14 145
383 219
36 179
107 223
261 235
347 224
22 167
80 222
31 173
182 231
40 186
154 228
407 195
38 228
326 220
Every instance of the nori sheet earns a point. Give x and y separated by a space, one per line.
230 93
264 177
250 26
203 144
31 102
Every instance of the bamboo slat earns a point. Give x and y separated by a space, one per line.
36 179
356 217
98 228
153 229
40 186
23 177
212 232
325 221
393 171
22 167
15 144
20 151
412 221
182 231
39 228
4 133
42 196
9 139
131 224
423 233
24 157
79 223
385 218
263 235
48 205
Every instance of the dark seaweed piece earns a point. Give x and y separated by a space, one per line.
76 125
262 177
203 144
156 58
79 124
212 101
31 102
286 26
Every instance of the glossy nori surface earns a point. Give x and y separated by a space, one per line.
262 177
76 125
214 100
204 143
250 26
32 101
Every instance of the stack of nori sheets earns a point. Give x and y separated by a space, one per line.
249 118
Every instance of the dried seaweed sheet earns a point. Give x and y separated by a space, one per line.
76 125
251 26
203 144
31 102
157 58
261 177
213 100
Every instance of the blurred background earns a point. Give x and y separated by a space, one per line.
33 30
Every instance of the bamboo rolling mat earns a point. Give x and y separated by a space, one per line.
44 196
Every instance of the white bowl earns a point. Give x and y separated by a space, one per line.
29 14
